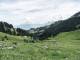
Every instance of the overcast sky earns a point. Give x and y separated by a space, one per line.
18 12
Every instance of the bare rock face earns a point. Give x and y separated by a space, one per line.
22 32
7 28
44 32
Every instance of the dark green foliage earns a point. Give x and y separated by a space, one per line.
15 43
41 33
25 40
29 41
22 32
2 39
5 37
70 24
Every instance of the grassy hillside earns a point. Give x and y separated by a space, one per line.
65 46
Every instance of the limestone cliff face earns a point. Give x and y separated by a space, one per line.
7 28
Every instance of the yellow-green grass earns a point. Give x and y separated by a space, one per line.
65 46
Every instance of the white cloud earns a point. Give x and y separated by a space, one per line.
36 11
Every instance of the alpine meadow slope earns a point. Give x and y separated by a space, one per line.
65 46
58 41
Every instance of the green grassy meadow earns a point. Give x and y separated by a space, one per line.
65 46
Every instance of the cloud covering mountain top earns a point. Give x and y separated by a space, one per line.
18 12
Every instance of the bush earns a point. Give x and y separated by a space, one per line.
29 41
15 43
5 37
25 40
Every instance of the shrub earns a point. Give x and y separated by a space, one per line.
29 41
5 37
15 43
25 40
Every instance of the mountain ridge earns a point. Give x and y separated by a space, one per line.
69 24
46 31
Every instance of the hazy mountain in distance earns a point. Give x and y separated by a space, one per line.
28 26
